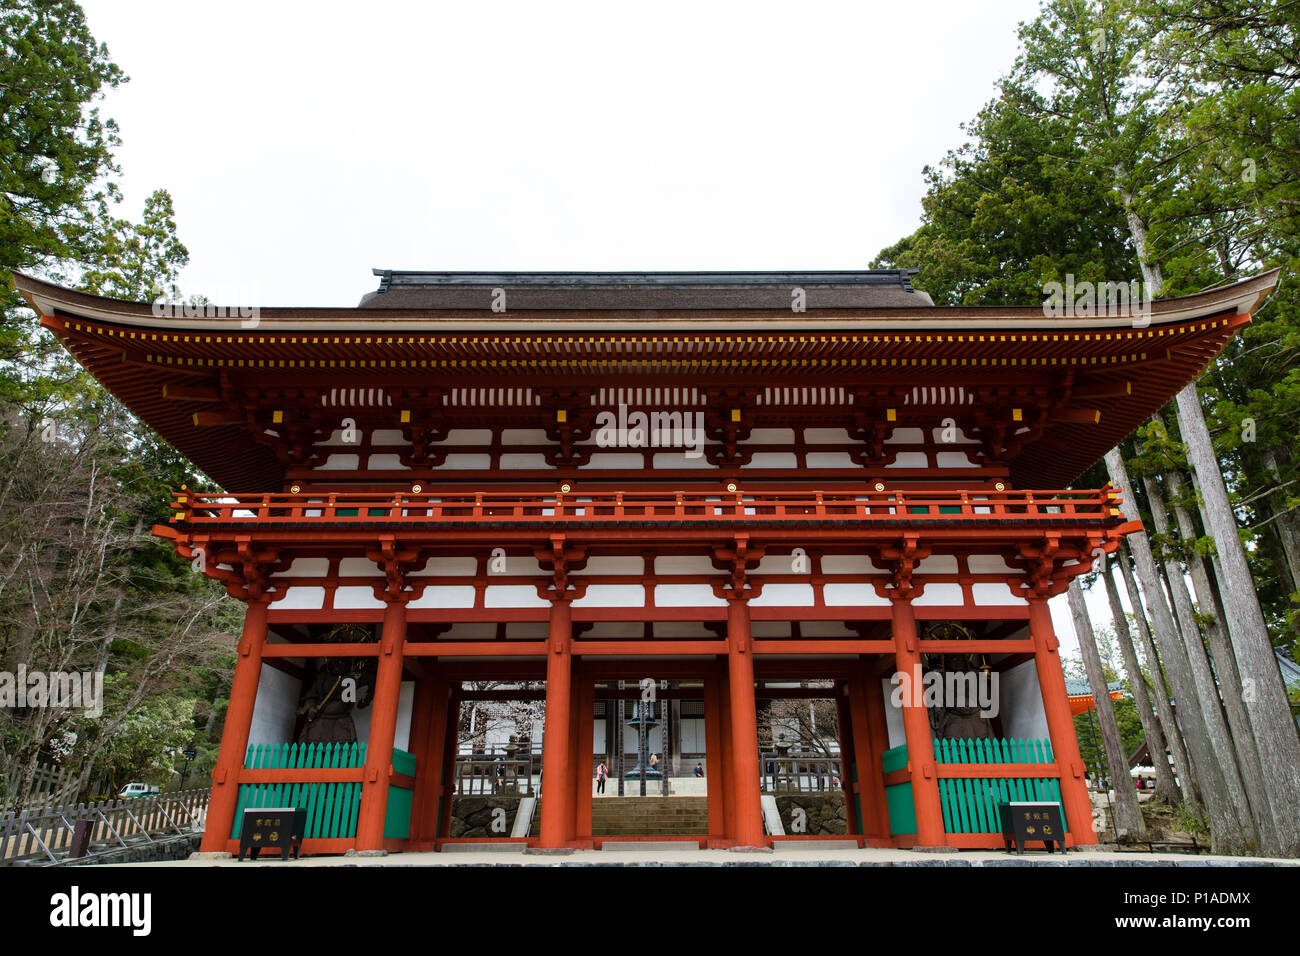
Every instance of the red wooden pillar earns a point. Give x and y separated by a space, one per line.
584 732
383 727
557 764
234 736
870 741
447 766
1060 723
727 771
713 761
428 736
916 728
747 825
850 772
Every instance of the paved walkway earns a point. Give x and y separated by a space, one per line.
666 856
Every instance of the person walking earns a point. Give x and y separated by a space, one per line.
602 774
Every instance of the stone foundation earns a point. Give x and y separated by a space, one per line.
825 813
472 816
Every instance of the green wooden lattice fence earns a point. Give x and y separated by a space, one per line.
971 805
331 807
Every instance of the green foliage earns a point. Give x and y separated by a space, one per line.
83 586
1177 123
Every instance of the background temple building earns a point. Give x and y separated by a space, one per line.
417 505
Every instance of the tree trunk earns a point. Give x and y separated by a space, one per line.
1160 692
1286 524
1207 692
1225 831
1229 681
1264 695
1166 788
1129 824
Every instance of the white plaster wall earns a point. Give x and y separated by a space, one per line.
307 568
686 595
995 593
1022 703
784 595
277 698
852 595
356 597
612 595
301 598
445 596
402 736
893 716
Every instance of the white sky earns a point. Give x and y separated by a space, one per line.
304 143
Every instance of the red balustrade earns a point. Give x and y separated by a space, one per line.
613 508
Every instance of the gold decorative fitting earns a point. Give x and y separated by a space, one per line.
735 414
565 488
999 486
416 488
731 486
561 416
880 486
295 489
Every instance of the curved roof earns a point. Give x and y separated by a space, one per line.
1118 370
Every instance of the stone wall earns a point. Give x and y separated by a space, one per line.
826 814
166 849
471 816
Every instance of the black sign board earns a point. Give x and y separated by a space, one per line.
272 828
1026 822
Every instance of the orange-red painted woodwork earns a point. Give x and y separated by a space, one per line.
727 772
234 737
747 825
878 743
428 732
916 729
447 774
1060 722
383 728
713 763
870 786
556 762
584 739
848 756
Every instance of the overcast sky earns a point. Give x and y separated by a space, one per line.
305 143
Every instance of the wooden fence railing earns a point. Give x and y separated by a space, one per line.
44 836
332 808
800 773
478 773
596 508
970 804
